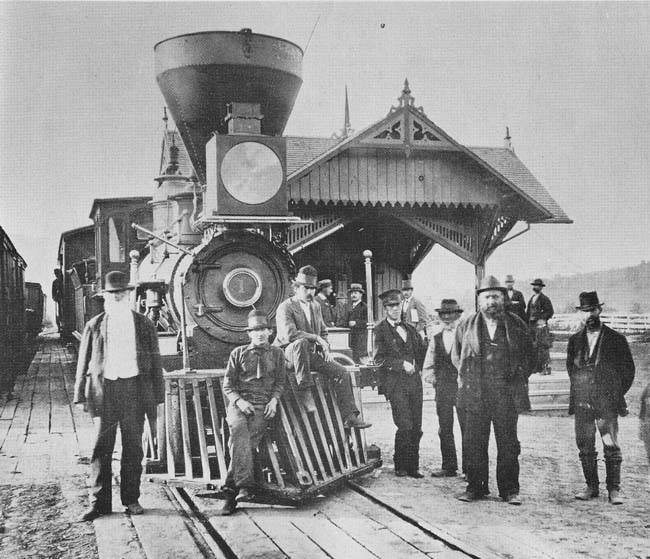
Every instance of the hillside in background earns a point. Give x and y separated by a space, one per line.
623 290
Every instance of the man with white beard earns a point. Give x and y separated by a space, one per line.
119 380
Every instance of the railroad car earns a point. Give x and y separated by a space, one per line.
12 312
34 308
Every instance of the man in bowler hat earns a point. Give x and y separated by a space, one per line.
413 310
538 313
515 302
119 380
441 372
399 352
493 353
302 334
357 321
601 370
253 384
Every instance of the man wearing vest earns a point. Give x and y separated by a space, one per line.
399 352
601 370
441 372
253 384
515 302
302 335
493 354
413 310
357 322
119 380
538 313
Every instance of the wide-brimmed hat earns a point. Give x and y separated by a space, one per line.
407 284
509 278
538 282
449 306
257 320
322 284
307 276
589 301
490 283
391 297
356 287
116 281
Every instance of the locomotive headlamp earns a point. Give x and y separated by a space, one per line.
251 173
242 287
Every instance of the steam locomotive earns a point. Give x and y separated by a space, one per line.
208 247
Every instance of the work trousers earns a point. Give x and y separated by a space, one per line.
496 408
304 360
406 405
246 434
586 425
121 407
446 394
542 343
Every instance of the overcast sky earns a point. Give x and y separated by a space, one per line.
81 112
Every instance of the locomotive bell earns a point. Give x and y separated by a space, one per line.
201 74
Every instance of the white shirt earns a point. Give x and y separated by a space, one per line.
120 358
448 339
492 327
400 329
592 340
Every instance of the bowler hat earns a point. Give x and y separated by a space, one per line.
407 284
322 284
449 306
307 276
509 278
589 301
391 297
490 283
356 287
538 282
116 281
257 320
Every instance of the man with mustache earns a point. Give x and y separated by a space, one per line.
493 354
601 370
538 313
302 335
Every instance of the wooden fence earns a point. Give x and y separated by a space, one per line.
625 323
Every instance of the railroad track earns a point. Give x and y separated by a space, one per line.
353 524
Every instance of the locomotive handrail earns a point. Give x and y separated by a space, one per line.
162 239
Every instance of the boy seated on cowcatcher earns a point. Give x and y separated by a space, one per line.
254 381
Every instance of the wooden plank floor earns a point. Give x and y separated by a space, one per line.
45 438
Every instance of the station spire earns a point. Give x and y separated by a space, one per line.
346 131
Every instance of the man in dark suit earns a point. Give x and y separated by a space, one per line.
601 370
515 302
399 352
493 354
441 372
357 321
538 313
119 380
302 334
323 294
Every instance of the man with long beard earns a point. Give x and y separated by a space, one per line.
493 353
601 370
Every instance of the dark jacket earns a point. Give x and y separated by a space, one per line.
515 303
613 370
89 382
292 324
466 355
327 311
541 309
358 332
391 352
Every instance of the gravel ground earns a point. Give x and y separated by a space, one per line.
550 475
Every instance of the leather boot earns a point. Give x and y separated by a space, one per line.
590 471
613 479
